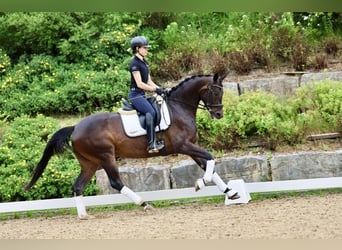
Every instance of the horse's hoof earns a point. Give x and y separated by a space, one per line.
199 184
234 196
85 217
148 208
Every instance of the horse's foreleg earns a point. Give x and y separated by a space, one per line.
223 187
211 175
206 161
209 170
209 167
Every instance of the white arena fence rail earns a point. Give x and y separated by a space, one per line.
169 194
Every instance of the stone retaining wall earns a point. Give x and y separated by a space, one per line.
283 85
249 168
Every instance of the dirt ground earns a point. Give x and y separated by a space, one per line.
307 217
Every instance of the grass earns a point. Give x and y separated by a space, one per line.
166 204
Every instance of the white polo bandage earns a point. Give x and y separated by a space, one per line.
133 196
81 210
219 182
209 170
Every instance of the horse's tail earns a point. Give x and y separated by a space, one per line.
56 145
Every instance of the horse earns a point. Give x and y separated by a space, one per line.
98 140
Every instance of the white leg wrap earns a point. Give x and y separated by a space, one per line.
208 175
81 210
219 182
222 186
133 196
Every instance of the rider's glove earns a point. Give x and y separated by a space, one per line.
160 91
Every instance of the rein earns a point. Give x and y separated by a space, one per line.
204 106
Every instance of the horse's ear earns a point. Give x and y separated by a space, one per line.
218 78
224 75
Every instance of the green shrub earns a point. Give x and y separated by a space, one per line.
182 55
5 63
300 53
218 134
272 121
283 41
260 114
41 85
21 148
322 101
33 32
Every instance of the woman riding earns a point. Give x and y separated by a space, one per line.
140 82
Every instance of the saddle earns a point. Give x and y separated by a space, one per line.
134 122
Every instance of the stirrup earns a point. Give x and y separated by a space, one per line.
156 147
160 144
152 150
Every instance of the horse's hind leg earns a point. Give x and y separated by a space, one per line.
88 170
115 181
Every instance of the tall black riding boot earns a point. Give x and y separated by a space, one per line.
153 147
150 129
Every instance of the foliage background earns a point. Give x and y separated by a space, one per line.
75 63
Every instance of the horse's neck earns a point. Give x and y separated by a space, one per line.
189 93
188 102
187 97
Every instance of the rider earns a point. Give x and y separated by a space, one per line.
140 82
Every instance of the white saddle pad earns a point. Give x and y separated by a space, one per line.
131 124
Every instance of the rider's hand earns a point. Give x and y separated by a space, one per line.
160 91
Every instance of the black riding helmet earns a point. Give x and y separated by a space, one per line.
139 41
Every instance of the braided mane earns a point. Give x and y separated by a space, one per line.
185 81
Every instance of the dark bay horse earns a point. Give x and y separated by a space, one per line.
99 139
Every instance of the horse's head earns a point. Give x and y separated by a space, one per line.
212 97
205 88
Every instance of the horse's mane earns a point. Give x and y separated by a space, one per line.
185 81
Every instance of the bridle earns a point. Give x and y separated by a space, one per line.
209 98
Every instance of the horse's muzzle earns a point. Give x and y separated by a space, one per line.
216 114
